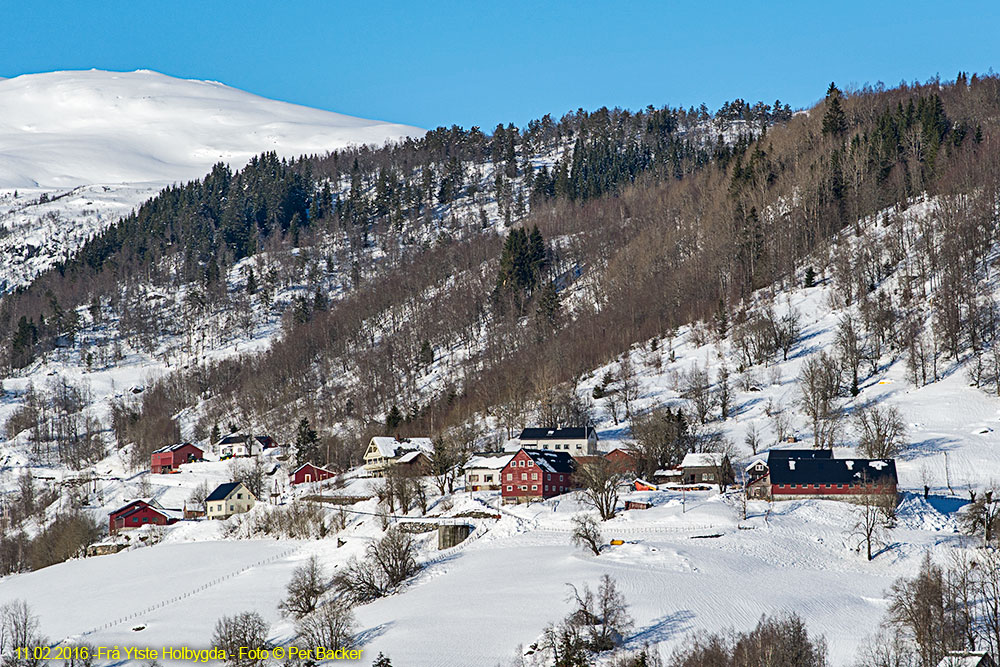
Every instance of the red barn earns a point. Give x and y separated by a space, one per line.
310 473
169 458
536 474
798 474
139 513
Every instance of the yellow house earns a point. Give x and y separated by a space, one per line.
229 499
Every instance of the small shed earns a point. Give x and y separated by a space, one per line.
308 472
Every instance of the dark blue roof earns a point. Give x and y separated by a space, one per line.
222 491
799 454
831 471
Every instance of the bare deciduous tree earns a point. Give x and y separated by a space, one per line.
599 482
873 514
388 562
19 628
247 631
305 589
330 626
881 431
819 385
587 533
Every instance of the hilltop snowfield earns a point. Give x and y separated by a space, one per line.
65 129
80 149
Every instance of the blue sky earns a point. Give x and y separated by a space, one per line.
477 63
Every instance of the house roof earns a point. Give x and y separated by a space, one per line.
831 471
232 439
551 460
966 659
312 465
800 454
755 462
223 491
389 447
579 433
166 514
703 460
489 460
151 502
411 456
174 448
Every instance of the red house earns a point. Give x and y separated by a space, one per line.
310 473
169 458
536 474
622 460
139 513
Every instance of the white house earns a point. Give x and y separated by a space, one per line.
580 441
482 471
238 444
385 451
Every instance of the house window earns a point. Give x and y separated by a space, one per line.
829 486
524 476
231 508
521 463
546 487
239 496
510 488
487 478
531 463
560 478
510 476
473 478
524 488
534 475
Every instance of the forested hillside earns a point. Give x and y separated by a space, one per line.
463 275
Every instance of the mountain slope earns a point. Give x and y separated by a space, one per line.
64 129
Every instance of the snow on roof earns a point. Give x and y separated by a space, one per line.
173 448
578 433
755 462
965 659
410 456
702 460
387 445
669 472
489 460
550 460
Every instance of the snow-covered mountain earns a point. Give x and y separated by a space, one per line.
80 149
65 129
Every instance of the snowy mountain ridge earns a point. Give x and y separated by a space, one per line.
64 129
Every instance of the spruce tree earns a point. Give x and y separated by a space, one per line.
307 444
834 120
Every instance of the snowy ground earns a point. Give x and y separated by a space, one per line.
682 568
